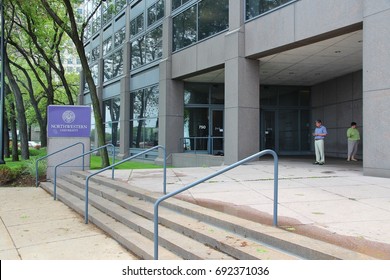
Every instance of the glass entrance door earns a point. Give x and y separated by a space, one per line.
268 130
217 132
286 131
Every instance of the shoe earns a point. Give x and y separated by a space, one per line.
321 163
316 162
354 159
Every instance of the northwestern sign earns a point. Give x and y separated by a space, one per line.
69 121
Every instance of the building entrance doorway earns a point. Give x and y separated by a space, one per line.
286 131
285 119
203 129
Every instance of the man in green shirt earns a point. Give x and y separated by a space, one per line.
353 136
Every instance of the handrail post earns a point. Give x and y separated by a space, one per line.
276 179
86 199
234 165
115 164
165 170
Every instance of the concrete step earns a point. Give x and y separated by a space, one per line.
208 235
192 231
293 244
181 245
131 240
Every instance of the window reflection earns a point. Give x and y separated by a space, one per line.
137 25
177 3
213 17
202 20
155 12
95 73
111 119
119 37
258 7
107 46
147 48
95 53
184 29
144 118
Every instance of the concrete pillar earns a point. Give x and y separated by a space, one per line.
124 123
376 88
171 98
242 129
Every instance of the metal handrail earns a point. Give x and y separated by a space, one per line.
56 152
120 162
82 155
195 138
259 154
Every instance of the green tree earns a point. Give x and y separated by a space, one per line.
63 13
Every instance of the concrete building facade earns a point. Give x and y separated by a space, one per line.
219 80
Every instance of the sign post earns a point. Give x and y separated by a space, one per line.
67 125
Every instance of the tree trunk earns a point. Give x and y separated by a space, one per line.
21 116
6 135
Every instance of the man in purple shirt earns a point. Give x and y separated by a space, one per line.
319 135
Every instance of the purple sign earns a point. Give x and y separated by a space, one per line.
69 121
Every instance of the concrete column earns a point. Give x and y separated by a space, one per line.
242 129
171 98
124 117
376 88
171 112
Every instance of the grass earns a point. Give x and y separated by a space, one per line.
22 172
96 163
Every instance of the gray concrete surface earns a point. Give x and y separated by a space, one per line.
334 202
35 227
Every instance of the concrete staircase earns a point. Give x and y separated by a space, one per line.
187 231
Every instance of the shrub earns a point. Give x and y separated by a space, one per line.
30 167
6 174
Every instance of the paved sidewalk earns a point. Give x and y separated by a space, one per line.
333 202
35 227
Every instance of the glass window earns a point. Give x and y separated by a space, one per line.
88 55
217 94
153 45
184 29
108 12
258 7
111 119
155 12
288 130
213 17
120 5
119 37
95 54
147 48
177 3
96 23
95 73
137 52
144 133
117 63
196 129
288 96
151 102
137 25
107 46
107 65
144 118
196 94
